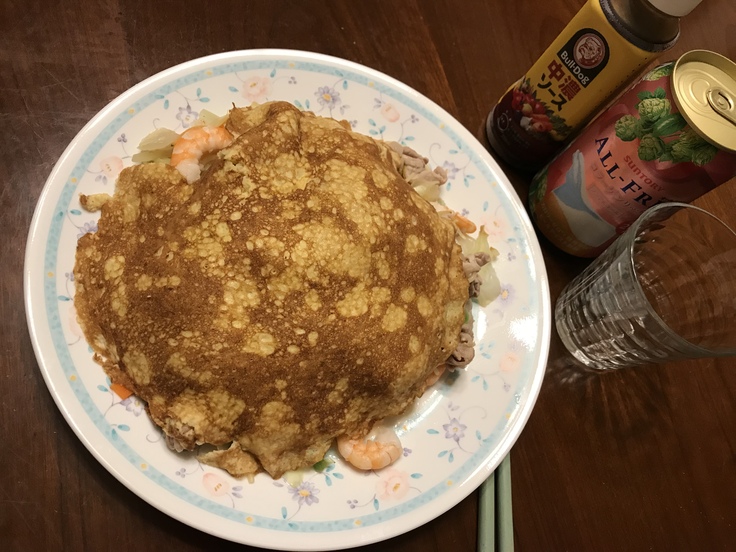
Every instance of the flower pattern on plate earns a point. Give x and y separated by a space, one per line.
456 429
256 89
392 486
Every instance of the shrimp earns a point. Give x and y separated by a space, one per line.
376 450
193 144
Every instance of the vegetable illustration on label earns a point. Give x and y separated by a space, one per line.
535 115
662 134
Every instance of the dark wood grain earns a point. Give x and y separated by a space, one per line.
640 459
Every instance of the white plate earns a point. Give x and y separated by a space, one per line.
455 436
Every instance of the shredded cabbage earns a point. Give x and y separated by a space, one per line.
491 286
207 118
294 477
157 146
155 156
429 191
159 139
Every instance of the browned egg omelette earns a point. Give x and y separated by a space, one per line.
300 290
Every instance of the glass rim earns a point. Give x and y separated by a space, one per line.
698 350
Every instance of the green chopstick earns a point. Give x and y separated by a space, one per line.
495 513
487 515
504 510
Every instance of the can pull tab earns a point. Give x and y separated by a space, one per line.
722 103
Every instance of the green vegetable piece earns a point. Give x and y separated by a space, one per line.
652 109
669 124
322 465
628 128
559 126
650 147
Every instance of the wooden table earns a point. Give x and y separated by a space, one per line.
640 459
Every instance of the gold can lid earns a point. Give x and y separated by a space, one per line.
704 89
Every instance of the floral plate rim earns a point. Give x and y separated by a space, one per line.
105 453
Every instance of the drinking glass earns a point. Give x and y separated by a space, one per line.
665 290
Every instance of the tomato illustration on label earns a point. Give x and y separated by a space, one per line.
533 114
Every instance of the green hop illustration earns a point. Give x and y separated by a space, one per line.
652 109
650 147
659 72
691 138
703 154
628 128
681 151
690 146
538 187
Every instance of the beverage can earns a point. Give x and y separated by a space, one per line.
671 137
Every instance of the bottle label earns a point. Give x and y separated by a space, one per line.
585 66
638 153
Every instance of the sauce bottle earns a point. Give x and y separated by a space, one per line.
600 51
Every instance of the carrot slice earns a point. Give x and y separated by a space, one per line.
120 391
463 224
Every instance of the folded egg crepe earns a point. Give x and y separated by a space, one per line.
300 290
